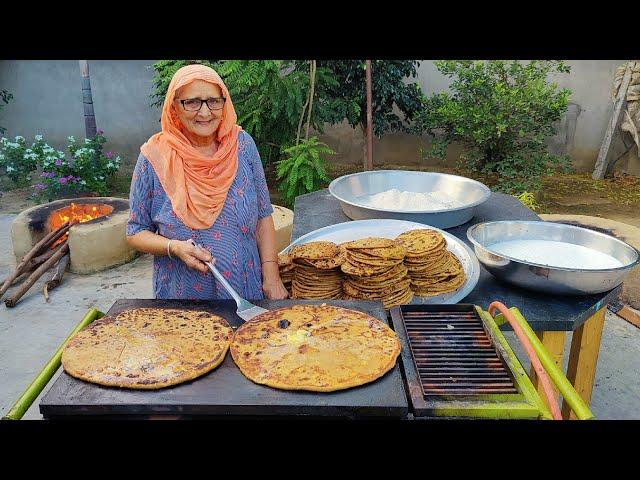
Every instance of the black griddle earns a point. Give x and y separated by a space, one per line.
225 392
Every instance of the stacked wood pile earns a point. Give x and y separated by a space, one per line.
46 255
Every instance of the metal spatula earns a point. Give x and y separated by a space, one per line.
246 310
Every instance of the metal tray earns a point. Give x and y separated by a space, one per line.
344 232
350 190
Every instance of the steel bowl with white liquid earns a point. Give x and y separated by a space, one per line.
354 192
552 257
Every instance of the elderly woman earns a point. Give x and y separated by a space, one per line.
201 178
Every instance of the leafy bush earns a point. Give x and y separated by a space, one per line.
86 172
528 199
302 170
4 98
501 112
17 162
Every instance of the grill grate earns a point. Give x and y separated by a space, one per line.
453 354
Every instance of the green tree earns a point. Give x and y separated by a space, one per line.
303 169
501 112
390 89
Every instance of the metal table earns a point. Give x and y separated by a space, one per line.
551 317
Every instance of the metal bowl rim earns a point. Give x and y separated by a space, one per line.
486 192
471 229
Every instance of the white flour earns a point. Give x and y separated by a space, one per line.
556 254
395 199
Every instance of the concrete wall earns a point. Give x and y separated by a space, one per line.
48 100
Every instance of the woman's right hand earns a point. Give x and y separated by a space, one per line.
191 255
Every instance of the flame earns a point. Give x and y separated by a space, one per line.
76 214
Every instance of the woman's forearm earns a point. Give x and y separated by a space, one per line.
266 238
193 257
149 242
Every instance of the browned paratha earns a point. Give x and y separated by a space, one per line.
148 348
314 347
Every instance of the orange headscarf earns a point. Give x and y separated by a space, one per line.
196 184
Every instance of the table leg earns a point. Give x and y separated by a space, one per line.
554 343
583 358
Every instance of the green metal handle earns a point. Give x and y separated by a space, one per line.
31 393
570 395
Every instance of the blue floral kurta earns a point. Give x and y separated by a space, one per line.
231 239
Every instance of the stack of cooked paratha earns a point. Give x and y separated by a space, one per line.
433 269
317 273
287 269
374 270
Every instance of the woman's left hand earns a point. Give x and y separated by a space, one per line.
272 284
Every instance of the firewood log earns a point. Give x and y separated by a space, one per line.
11 301
56 278
37 249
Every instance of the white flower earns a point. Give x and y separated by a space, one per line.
78 153
19 137
110 165
71 138
10 169
82 182
38 138
87 141
60 154
1 156
101 177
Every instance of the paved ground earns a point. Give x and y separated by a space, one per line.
31 332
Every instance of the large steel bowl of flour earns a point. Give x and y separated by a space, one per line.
353 191
552 257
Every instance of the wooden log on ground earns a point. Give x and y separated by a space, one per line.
11 301
35 251
56 278
33 264
601 162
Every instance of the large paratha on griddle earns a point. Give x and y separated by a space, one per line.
319 348
148 348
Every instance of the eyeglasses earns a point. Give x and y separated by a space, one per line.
195 104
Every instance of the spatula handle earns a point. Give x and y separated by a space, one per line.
216 273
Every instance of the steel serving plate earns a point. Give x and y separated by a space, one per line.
353 190
547 278
347 231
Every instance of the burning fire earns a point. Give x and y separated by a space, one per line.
76 214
